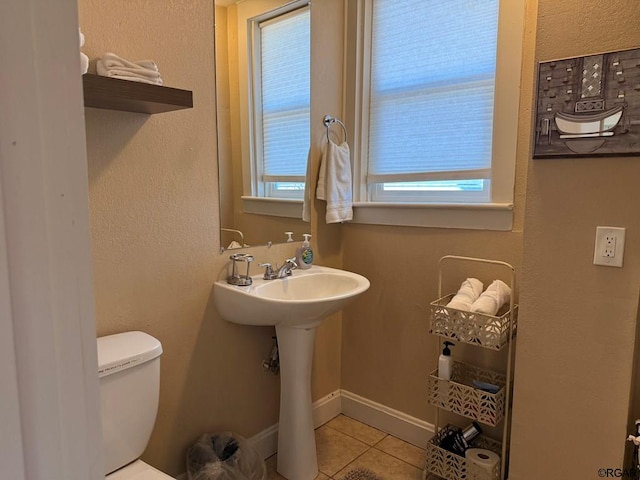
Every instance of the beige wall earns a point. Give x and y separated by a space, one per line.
154 214
577 321
387 351
154 225
576 338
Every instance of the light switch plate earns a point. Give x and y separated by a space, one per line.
609 248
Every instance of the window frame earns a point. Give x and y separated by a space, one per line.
261 186
497 212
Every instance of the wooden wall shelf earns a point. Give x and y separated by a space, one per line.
115 94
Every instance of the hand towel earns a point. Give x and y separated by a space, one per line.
84 63
306 204
105 72
81 37
468 293
322 173
112 60
334 182
494 297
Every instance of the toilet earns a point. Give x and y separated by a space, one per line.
129 372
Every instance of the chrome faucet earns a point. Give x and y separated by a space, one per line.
282 272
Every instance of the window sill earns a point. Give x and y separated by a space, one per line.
492 216
275 207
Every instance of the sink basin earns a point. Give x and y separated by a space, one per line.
295 305
303 299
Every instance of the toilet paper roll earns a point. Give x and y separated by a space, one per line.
485 460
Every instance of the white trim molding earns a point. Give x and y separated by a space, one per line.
477 216
391 421
276 207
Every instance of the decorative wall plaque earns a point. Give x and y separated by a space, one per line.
588 106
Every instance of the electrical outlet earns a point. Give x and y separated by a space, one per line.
609 248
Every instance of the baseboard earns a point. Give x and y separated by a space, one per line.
399 424
327 408
394 422
324 409
266 441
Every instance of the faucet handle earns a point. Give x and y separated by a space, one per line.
291 262
269 274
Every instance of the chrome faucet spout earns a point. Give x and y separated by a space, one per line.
286 269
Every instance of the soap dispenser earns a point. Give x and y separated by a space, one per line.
445 362
304 255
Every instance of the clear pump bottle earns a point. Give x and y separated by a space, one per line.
304 255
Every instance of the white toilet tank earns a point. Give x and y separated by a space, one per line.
129 371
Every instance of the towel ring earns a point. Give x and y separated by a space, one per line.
329 120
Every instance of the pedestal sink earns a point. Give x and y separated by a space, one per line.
296 305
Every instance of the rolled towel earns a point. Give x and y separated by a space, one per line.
105 72
84 63
494 297
468 293
111 60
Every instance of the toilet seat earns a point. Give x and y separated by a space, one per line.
138 470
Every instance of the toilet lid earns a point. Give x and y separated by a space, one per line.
138 470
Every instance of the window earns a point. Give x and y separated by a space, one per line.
280 82
436 92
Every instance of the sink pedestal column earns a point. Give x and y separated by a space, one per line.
297 459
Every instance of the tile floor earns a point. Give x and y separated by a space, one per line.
344 443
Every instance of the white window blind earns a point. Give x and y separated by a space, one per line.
431 101
285 102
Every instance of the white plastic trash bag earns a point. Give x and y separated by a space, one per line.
224 456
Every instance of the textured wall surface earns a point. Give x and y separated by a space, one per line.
154 216
576 339
387 349
154 225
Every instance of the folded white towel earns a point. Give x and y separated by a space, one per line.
112 60
334 182
81 37
468 293
494 297
306 204
84 63
123 75
130 72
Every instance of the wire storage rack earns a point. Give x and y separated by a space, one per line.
486 331
448 465
461 394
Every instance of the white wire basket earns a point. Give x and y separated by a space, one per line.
475 328
448 465
458 395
